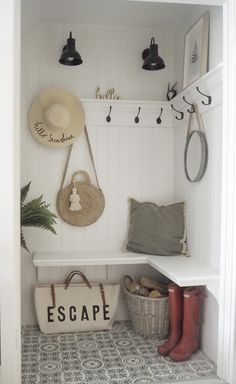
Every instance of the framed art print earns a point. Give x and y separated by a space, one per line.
196 51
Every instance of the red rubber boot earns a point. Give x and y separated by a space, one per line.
176 319
189 342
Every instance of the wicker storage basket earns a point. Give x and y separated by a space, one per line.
150 317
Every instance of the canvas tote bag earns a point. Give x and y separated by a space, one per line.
76 307
88 199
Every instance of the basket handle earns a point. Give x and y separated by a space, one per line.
74 273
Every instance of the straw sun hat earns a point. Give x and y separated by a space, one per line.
56 118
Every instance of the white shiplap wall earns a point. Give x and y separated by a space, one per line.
111 58
203 198
132 160
215 38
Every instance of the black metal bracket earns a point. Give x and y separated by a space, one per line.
181 113
209 98
136 119
108 118
192 110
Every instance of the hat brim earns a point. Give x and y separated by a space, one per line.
39 127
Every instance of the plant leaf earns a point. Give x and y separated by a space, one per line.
22 241
36 214
24 192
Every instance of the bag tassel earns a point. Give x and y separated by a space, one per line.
74 200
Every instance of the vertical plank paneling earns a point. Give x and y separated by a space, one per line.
124 154
147 174
124 172
163 153
91 232
116 59
113 198
135 162
102 165
92 64
75 77
31 146
111 58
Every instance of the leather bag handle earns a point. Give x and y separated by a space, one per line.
67 283
74 273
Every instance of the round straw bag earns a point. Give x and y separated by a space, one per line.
92 201
80 203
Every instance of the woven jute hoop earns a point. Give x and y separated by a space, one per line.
150 317
200 132
92 202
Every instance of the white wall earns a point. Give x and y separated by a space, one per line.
203 202
111 58
30 16
203 198
132 160
215 38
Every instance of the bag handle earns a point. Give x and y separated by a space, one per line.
91 157
91 154
68 281
53 296
81 173
102 293
74 273
199 120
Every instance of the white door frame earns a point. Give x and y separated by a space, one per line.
9 211
9 192
227 303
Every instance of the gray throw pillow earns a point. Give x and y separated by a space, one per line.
157 230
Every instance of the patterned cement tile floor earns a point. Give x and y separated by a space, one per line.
118 356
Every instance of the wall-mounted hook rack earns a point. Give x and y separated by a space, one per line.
108 118
136 119
192 110
181 113
159 120
209 98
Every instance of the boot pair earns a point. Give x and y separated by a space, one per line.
183 339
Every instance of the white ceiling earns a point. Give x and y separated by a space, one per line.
113 12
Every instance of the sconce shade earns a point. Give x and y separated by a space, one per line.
69 55
152 61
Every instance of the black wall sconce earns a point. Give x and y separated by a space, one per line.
69 55
152 61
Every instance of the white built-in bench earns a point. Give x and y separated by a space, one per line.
184 271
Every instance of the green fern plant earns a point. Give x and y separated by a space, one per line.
35 213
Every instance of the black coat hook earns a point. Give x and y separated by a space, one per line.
209 98
181 113
158 120
192 110
108 118
136 119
